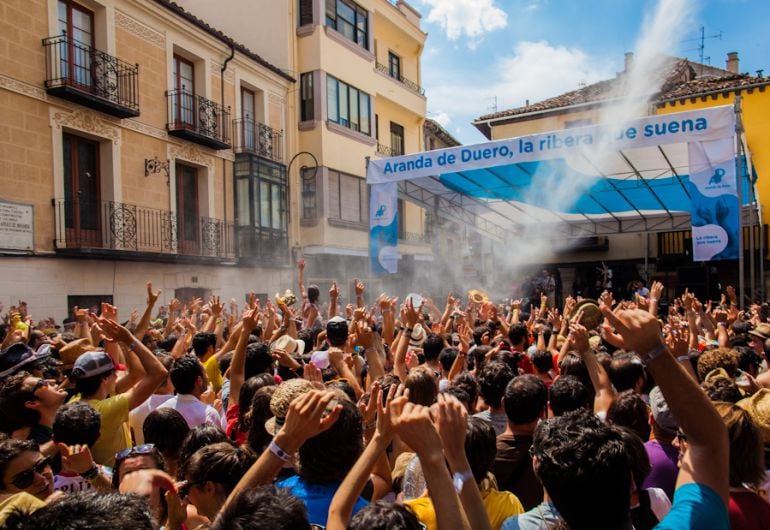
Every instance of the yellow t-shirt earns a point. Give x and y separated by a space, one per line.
22 500
212 372
114 435
500 505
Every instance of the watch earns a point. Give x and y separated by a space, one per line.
459 480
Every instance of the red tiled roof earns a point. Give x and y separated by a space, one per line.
681 82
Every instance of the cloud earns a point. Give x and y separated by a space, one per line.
469 18
442 118
535 71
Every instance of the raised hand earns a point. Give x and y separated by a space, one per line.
639 330
656 290
216 305
310 414
313 374
301 264
359 286
76 458
451 423
334 292
416 429
152 297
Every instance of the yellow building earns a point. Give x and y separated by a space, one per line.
666 255
137 143
358 95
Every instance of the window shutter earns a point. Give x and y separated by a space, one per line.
305 12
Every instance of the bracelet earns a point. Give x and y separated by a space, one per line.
220 320
653 300
683 358
653 354
370 350
134 344
91 473
409 330
277 451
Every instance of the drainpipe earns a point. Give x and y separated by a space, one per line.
224 161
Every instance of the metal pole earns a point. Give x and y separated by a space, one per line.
741 264
752 247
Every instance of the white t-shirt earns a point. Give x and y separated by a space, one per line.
76 483
194 411
137 416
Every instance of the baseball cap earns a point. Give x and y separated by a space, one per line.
661 413
94 363
17 356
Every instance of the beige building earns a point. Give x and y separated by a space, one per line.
138 143
358 96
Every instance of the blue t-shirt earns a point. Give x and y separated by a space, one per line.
696 507
317 497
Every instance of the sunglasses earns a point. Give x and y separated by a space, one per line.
25 479
682 437
184 489
40 384
144 449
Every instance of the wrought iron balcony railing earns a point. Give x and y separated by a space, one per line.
257 138
386 150
198 119
85 75
408 83
109 225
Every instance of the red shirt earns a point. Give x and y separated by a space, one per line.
239 437
748 511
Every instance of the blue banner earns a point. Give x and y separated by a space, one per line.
383 228
714 203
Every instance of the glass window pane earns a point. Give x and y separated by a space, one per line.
242 207
364 113
345 11
331 98
351 199
276 204
343 98
354 123
264 205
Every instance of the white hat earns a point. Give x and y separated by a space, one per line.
289 344
418 336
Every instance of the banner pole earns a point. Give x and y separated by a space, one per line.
741 264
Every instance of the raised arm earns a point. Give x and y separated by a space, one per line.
605 394
301 278
144 322
154 370
238 363
706 458
359 287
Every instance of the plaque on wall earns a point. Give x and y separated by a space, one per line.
16 226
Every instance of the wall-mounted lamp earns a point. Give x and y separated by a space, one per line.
155 165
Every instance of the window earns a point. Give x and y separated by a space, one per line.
394 65
184 92
248 106
305 12
187 209
396 139
82 202
349 19
347 105
309 191
78 24
261 207
307 110
570 124
348 198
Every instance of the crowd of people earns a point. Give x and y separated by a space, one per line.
295 413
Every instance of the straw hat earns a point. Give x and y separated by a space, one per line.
74 349
418 336
282 398
592 316
289 344
758 407
761 332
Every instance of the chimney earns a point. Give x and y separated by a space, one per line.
629 61
732 62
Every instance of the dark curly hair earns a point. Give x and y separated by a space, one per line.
383 515
629 410
264 508
220 463
580 459
493 378
327 457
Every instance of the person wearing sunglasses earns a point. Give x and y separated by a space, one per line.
24 468
29 403
135 459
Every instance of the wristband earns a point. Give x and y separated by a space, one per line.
409 330
134 344
370 350
91 473
683 358
653 300
277 451
653 354
459 480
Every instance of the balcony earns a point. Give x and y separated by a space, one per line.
411 85
127 231
258 139
86 76
198 119
386 150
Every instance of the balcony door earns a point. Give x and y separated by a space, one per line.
77 23
184 93
248 105
187 209
82 203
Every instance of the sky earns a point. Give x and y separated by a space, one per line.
487 55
